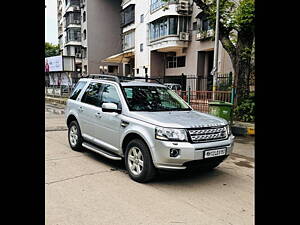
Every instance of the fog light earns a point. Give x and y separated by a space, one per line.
174 152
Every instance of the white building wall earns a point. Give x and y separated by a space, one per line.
142 59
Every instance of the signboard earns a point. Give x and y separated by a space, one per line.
54 63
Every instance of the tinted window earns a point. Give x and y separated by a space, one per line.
77 89
92 94
110 95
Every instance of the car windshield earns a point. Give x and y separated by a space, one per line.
152 98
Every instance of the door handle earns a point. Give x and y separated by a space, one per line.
98 115
80 109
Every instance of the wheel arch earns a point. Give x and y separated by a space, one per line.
71 118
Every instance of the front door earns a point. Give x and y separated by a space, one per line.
108 126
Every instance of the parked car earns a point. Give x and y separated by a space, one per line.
174 87
146 124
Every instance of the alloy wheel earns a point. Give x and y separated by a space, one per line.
135 161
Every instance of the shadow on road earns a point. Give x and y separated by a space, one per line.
163 176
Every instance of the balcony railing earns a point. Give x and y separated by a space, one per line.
203 35
74 22
73 38
157 5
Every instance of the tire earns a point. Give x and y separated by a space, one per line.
74 136
138 161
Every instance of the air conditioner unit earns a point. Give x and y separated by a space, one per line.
184 36
78 55
76 21
183 6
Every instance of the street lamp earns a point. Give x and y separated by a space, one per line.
216 51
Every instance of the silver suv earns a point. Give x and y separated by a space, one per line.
145 123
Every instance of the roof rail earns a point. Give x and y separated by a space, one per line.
118 79
105 77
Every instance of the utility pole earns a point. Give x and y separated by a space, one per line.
216 51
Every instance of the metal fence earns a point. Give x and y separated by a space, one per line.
199 100
62 91
195 90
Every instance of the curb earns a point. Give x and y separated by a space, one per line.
55 100
243 129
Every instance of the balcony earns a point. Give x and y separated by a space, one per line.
181 6
73 37
204 35
73 5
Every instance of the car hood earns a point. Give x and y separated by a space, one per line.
179 119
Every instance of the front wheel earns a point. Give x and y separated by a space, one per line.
138 161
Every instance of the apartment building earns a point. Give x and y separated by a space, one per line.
90 31
166 40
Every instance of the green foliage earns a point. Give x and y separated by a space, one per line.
51 50
245 111
244 15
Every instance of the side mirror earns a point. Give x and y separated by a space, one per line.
110 107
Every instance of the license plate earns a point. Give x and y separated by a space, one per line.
214 153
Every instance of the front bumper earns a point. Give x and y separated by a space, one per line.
188 152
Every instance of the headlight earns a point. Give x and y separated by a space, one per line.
228 128
169 134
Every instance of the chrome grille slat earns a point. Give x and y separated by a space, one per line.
208 134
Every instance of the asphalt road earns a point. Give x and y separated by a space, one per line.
88 189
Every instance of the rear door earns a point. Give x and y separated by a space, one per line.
89 110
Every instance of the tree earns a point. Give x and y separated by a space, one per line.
236 33
51 50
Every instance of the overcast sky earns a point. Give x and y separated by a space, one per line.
51 21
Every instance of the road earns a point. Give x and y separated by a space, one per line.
88 189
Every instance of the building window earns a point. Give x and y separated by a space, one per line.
175 61
137 71
84 16
84 35
156 4
83 52
128 40
73 34
195 26
127 15
142 18
168 26
112 69
163 27
141 47
73 18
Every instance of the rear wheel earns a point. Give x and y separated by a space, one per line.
138 161
74 136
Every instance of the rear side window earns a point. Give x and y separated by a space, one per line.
77 89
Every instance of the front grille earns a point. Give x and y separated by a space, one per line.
207 134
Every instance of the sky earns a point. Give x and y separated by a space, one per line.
51 21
